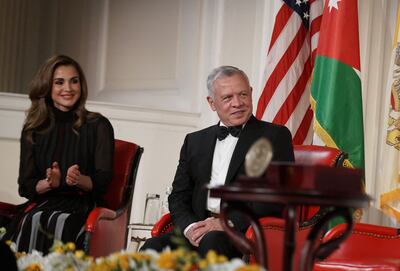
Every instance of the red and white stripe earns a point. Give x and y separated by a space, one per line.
286 96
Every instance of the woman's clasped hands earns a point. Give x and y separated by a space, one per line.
53 176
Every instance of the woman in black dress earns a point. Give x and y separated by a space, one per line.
66 159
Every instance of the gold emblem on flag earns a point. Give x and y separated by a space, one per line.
393 130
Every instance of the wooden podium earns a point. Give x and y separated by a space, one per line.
294 185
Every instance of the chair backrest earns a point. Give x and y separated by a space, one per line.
319 155
316 155
126 162
274 235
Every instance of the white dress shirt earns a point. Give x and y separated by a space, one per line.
222 157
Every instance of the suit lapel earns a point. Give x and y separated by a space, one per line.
208 146
205 164
247 137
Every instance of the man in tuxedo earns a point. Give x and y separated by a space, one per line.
215 156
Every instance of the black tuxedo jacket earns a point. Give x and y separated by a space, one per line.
188 200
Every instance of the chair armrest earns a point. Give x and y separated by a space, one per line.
7 209
97 214
163 225
365 229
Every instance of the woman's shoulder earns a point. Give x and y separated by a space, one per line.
94 118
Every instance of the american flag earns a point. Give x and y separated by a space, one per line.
286 96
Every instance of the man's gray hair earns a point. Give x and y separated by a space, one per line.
222 71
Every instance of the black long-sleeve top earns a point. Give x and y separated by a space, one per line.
92 149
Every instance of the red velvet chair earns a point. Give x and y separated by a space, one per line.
106 227
274 233
305 154
274 228
316 155
369 247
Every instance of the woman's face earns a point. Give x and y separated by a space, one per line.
66 88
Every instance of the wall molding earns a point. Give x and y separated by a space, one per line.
153 90
13 107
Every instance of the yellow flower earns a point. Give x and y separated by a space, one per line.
203 264
167 260
179 253
124 261
212 257
98 267
188 266
222 259
180 259
33 267
112 264
251 267
59 249
139 257
70 246
80 254
19 254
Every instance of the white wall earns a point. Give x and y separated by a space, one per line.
147 62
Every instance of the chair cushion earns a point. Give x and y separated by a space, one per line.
274 235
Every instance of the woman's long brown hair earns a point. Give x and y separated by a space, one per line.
40 94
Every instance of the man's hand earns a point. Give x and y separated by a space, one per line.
199 229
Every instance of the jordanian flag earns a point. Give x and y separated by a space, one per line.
336 85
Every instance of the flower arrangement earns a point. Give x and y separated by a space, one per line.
65 257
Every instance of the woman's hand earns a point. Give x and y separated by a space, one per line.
73 175
54 175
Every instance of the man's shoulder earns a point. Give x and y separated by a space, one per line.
267 125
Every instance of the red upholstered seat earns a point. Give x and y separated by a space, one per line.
274 235
316 155
106 227
274 229
369 247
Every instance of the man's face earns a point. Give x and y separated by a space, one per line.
232 100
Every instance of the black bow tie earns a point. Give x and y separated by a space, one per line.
224 131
